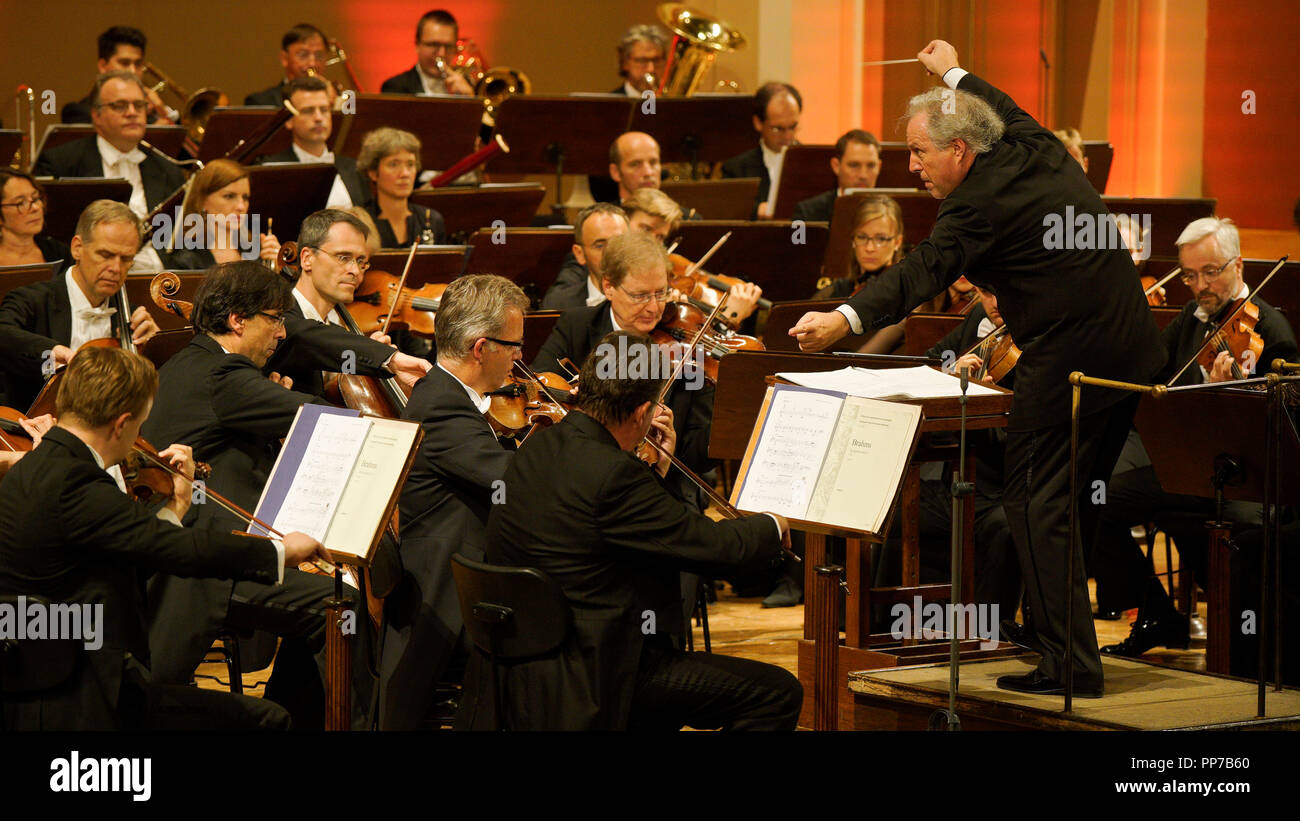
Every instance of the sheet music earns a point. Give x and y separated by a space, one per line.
788 458
864 464
377 471
921 382
322 476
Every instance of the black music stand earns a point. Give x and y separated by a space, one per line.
560 135
529 257
67 197
465 209
765 253
446 126
1099 154
701 128
1169 216
716 199
230 124
168 139
431 263
11 140
805 172
920 210
289 193
894 172
537 329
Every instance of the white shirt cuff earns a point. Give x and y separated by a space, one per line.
776 522
168 515
279 560
953 76
852 316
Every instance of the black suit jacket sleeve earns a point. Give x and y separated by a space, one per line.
567 337
244 400
23 308
311 345
569 289
408 82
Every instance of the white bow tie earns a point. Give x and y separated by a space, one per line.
135 156
95 313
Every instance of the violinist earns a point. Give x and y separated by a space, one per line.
390 159
219 198
615 538
22 223
452 485
43 324
68 534
1209 253
334 258
579 282
213 396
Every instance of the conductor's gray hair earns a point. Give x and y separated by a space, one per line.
958 115
1222 229
474 307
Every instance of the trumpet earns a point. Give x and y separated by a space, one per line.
195 108
29 139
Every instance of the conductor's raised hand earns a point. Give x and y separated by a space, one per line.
938 56
816 331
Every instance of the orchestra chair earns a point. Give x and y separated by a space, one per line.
32 666
511 614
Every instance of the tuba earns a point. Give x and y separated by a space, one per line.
195 108
697 41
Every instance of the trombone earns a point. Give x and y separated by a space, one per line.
195 108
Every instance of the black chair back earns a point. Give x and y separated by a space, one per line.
33 665
511 613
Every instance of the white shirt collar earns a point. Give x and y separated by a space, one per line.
629 90
480 402
432 85
1242 293
985 328
612 320
304 156
310 312
773 160
77 298
112 156
595 296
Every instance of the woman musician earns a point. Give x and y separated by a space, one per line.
214 224
390 159
23 240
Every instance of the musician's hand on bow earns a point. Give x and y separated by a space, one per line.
380 336
741 300
938 56
180 457
36 426
1222 370
285 382
270 250
408 369
664 435
142 326
62 354
817 331
299 548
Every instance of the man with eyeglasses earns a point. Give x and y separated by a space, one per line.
856 164
118 110
579 282
777 107
436 34
311 128
453 483
303 51
1209 254
214 397
641 52
334 259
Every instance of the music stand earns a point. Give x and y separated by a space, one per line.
432 263
805 172
703 127
529 257
920 210
1169 216
446 126
1099 154
559 135
537 329
168 139
230 124
717 199
289 193
16 276
465 209
11 141
67 197
894 162
766 253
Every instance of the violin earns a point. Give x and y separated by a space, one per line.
13 437
1152 290
998 356
703 289
377 300
148 482
683 321
1236 336
527 402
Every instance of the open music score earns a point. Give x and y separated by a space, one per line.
827 458
337 479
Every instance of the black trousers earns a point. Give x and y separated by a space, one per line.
1037 503
708 691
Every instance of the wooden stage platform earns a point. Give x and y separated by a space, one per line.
1139 696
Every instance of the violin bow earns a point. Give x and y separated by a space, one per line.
1210 337
401 283
695 266
1156 285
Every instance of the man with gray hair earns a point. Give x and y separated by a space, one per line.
43 324
453 484
1209 253
641 59
1003 178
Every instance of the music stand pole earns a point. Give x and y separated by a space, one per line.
960 490
338 660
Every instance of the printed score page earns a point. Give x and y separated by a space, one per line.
322 476
378 470
790 451
865 463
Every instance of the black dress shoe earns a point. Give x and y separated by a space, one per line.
1019 635
1038 684
1168 632
786 594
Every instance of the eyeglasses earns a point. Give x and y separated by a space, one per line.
122 106
303 55
505 342
25 206
640 299
278 319
782 129
867 239
434 45
345 259
1209 276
